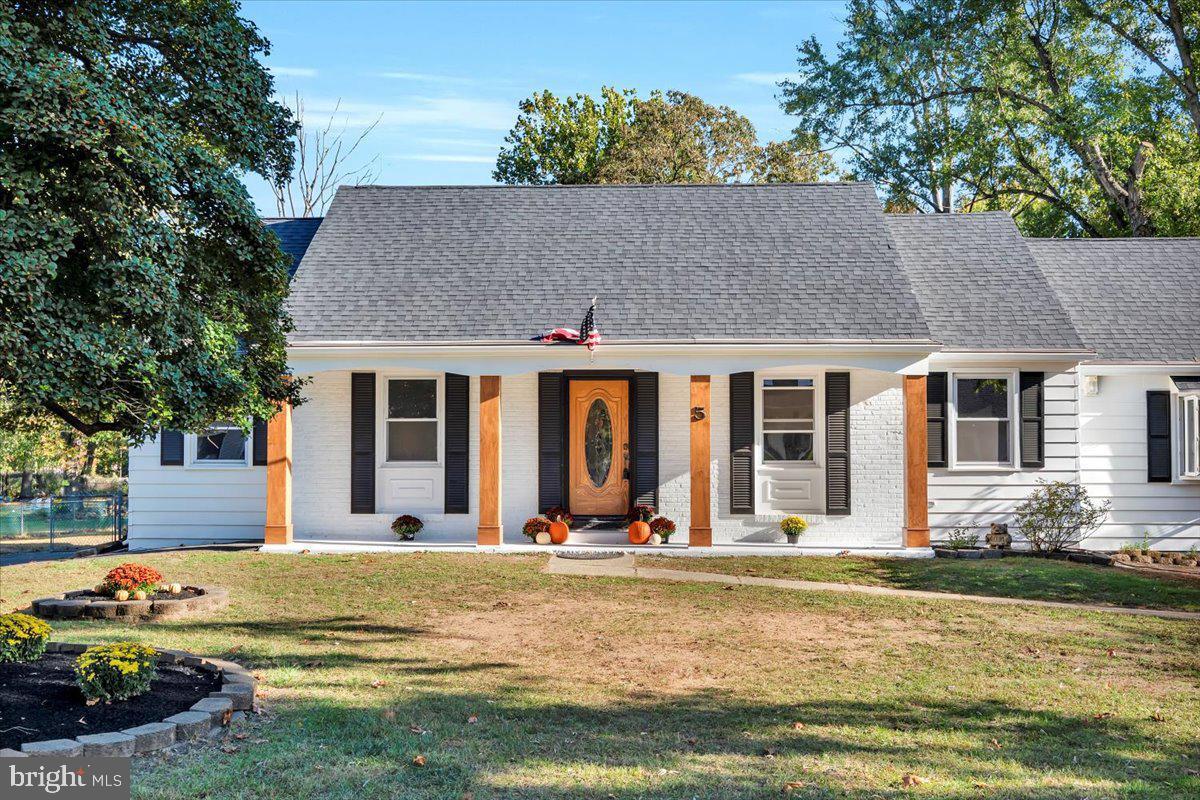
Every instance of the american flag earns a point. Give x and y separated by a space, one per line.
588 334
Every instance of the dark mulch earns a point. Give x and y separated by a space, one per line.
40 701
183 595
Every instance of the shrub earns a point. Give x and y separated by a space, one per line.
116 671
641 513
560 513
406 526
535 525
663 527
962 538
1058 515
793 525
131 578
22 637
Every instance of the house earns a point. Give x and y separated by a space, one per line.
767 350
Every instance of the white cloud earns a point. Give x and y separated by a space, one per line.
293 72
424 77
440 112
765 78
448 157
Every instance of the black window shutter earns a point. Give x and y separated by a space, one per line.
645 437
935 418
550 440
259 442
170 452
741 443
457 465
837 443
1033 419
362 443
1158 437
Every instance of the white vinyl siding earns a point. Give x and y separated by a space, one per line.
1113 465
173 505
977 496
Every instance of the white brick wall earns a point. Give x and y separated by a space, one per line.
876 458
321 471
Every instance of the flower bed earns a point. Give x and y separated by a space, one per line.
90 604
190 698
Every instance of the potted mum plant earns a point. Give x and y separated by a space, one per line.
537 529
407 527
793 527
661 530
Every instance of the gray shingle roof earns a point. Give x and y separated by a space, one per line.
977 283
1130 299
788 262
295 234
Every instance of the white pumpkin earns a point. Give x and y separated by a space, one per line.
655 539
121 596
175 588
543 537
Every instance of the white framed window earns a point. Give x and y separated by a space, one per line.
1189 436
224 444
983 420
789 431
412 433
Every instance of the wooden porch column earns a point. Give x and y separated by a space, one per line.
916 463
279 477
490 529
700 529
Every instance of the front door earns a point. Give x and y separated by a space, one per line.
599 436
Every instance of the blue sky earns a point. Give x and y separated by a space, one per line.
447 77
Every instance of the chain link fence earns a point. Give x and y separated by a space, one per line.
72 522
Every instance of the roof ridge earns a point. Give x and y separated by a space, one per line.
348 187
1112 239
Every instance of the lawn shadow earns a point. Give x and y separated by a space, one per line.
711 744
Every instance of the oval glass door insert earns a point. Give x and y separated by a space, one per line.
598 442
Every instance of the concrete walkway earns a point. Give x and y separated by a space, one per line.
624 567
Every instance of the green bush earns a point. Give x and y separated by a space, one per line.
22 637
116 671
1058 515
962 539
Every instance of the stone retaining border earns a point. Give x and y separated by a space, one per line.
75 605
205 718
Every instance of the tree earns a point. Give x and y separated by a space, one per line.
564 141
670 137
1036 107
322 163
139 288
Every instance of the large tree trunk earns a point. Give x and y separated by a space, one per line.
26 485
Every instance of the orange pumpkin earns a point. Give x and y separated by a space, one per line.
558 531
639 532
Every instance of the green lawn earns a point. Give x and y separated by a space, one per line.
1029 578
617 688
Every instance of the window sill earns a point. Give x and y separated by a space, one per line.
219 465
790 464
980 468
